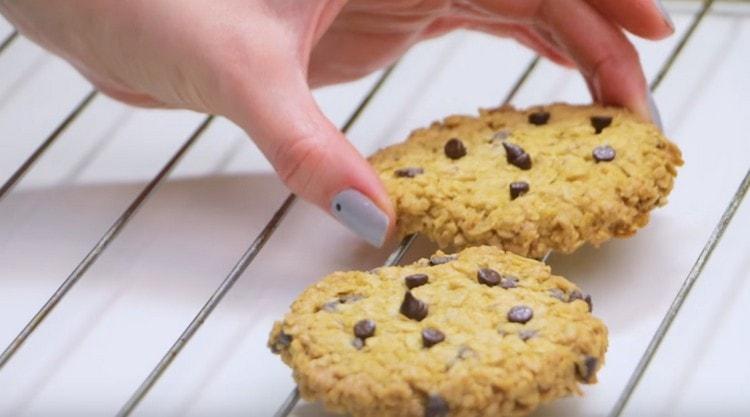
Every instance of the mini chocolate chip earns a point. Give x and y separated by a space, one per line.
501 135
413 308
416 280
358 343
577 295
364 329
587 369
350 298
455 149
463 353
409 172
515 155
603 153
520 314
508 282
527 334
431 337
488 277
330 306
518 189
600 123
512 151
281 342
557 293
539 118
441 259
436 407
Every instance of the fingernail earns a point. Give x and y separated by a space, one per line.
654 112
357 212
664 14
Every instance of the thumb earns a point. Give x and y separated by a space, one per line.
310 155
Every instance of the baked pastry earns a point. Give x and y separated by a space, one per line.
480 333
529 181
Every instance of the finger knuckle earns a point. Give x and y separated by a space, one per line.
299 160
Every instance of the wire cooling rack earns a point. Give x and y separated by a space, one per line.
698 14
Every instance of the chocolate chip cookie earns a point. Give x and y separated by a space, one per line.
529 181
480 333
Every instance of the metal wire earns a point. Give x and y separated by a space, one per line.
31 160
695 272
245 261
208 308
682 294
8 40
681 44
291 400
100 246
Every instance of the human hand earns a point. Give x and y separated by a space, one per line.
254 61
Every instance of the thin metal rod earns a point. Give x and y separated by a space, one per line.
695 272
8 40
522 79
681 44
395 257
291 400
682 294
31 160
245 261
100 246
208 308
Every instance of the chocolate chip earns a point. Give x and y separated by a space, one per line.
508 282
488 277
413 308
539 118
281 342
587 369
358 343
603 153
527 334
455 149
350 298
577 295
431 337
515 155
520 314
600 123
436 407
416 280
409 172
501 135
463 353
518 188
557 293
332 306
442 259
364 329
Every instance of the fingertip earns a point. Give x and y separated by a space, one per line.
360 214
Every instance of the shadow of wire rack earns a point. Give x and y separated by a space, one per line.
120 229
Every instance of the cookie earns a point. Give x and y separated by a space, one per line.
480 333
529 181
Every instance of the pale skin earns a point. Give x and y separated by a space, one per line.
255 61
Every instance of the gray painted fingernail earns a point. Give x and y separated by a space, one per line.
357 212
664 13
655 116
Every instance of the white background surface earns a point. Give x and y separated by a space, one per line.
109 332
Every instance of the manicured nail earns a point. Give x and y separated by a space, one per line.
654 111
664 14
357 212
